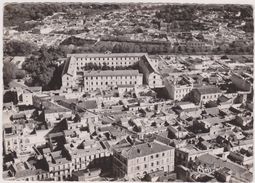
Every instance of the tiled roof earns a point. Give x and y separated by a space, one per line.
88 104
103 55
140 150
218 162
208 90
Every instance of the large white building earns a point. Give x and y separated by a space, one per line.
102 79
112 59
74 76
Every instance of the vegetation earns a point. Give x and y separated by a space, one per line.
9 70
177 12
43 68
10 96
15 14
18 48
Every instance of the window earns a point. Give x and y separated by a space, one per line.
163 154
152 164
138 168
144 158
145 165
157 162
151 156
157 155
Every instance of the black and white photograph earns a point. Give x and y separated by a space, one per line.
127 91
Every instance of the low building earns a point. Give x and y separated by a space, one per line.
189 153
177 131
178 88
205 94
23 171
242 81
208 163
149 68
86 175
187 109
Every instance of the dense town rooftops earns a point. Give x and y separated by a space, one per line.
112 73
139 150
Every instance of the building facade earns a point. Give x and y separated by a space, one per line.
102 79
73 72
152 77
132 161
178 88
205 94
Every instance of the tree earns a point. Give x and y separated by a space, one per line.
138 30
10 96
137 128
9 71
104 67
42 67
20 74
18 48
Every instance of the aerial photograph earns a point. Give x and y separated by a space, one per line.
145 92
